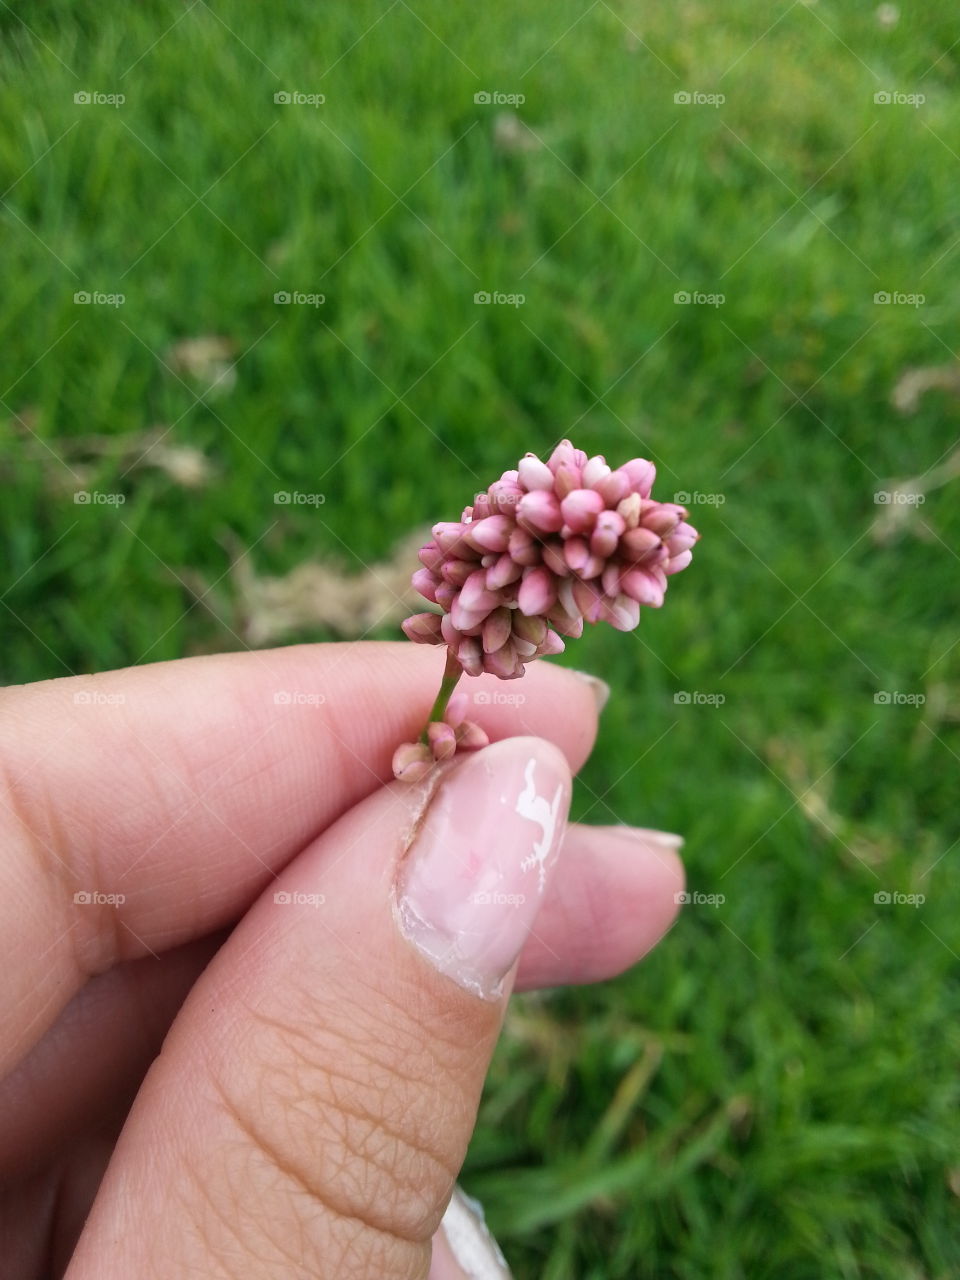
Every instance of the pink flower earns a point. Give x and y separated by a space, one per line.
548 547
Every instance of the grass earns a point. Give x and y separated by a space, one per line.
774 1092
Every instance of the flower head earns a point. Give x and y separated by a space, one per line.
548 547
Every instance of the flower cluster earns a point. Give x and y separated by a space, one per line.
548 547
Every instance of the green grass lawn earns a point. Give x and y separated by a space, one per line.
774 1092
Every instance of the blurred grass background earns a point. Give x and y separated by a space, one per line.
774 1092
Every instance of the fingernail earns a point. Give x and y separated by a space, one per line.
477 869
599 688
470 1242
665 839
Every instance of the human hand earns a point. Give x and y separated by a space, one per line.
320 1072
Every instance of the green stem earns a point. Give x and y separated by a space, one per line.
451 675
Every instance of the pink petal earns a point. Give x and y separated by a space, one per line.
540 511
563 453
505 571
504 663
613 488
637 544
446 594
491 534
426 582
568 478
641 586
534 474
430 556
553 558
447 535
552 644
624 613
595 470
424 628
474 594
524 548
589 601
412 761
610 581
470 737
581 508
641 475
676 563
607 532
568 624
531 629
504 496
538 591
683 537
630 508
470 655
456 572
442 739
663 518
576 552
497 629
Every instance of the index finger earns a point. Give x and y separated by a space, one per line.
145 807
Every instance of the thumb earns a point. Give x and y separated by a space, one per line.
314 1100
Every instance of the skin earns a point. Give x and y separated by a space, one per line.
319 1081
